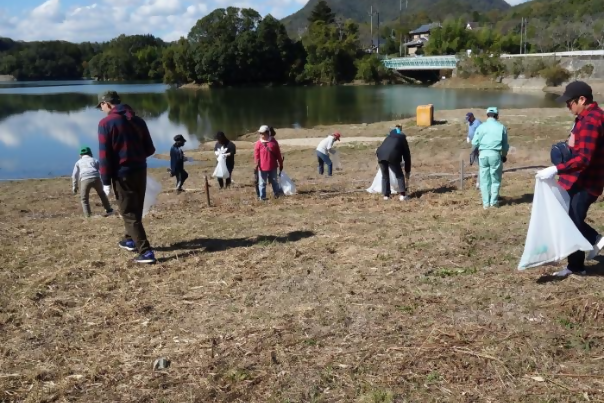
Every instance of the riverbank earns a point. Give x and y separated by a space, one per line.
329 295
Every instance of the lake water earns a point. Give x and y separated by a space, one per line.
43 124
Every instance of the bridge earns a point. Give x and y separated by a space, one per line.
421 63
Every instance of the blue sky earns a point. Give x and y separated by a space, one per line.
99 20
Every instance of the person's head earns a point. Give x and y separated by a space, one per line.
337 136
179 140
577 97
221 138
264 132
272 131
493 112
470 117
85 151
107 100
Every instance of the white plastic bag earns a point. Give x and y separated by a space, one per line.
376 186
153 190
335 160
221 170
287 185
552 235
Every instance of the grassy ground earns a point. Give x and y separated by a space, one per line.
332 295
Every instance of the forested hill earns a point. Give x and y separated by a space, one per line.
358 10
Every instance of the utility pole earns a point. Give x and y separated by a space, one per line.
521 32
525 34
378 35
371 14
400 26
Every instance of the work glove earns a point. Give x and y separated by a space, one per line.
107 190
547 173
280 171
504 159
75 190
407 175
467 140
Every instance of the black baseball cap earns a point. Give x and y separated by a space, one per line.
179 137
575 90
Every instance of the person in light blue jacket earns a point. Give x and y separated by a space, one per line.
491 139
473 124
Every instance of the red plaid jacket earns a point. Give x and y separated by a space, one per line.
585 170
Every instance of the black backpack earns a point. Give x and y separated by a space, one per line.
561 153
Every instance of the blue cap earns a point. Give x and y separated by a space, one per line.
492 109
469 115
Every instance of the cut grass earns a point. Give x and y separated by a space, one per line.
329 296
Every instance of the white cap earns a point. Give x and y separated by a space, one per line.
263 129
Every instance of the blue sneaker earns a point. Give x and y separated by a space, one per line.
127 244
146 258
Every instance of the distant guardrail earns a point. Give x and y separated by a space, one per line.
575 53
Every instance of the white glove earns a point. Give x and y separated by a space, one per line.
107 190
217 152
547 173
467 139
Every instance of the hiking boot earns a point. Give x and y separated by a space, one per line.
597 248
128 244
146 258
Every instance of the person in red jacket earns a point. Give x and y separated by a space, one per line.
267 156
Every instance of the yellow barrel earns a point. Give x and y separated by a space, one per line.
425 115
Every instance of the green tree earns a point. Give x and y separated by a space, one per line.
322 12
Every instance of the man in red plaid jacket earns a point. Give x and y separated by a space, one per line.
583 175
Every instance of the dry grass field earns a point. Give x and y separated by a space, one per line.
331 295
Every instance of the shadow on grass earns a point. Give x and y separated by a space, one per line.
591 271
526 198
439 190
219 245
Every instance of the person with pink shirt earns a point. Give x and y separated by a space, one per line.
267 156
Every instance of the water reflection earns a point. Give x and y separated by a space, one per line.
40 134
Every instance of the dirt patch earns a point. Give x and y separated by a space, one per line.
475 83
332 295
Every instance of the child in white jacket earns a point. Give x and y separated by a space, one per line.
86 173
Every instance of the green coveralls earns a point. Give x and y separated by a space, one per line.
491 138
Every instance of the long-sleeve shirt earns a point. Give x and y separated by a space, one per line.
177 159
492 135
326 144
85 168
230 149
124 143
472 128
395 149
267 155
586 167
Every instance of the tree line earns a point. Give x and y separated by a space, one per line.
237 46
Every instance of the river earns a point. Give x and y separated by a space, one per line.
43 124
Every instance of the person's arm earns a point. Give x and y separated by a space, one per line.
330 144
505 145
173 160
277 151
586 142
232 148
477 137
406 155
105 154
146 137
257 154
75 177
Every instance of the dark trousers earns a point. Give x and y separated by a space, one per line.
130 195
181 177
324 159
227 181
385 167
580 201
256 180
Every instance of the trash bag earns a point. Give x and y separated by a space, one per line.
376 186
552 235
287 185
153 190
221 170
335 160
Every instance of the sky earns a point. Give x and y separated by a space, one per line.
101 20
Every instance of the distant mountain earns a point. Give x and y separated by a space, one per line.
358 10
